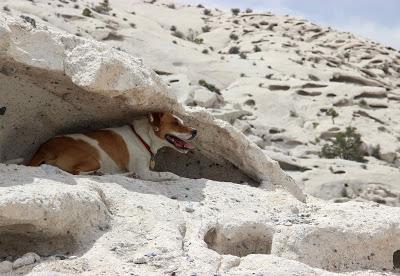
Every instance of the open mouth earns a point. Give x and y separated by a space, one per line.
178 143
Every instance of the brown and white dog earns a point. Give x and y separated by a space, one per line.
130 148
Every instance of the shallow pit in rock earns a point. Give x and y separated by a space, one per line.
240 240
18 239
396 259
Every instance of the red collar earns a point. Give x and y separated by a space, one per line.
143 142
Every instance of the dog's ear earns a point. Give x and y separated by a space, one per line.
155 119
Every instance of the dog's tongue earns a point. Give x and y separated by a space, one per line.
182 144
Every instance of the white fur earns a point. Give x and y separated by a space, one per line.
139 156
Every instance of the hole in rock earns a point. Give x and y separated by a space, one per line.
396 259
18 239
240 240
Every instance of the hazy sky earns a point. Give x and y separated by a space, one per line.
378 20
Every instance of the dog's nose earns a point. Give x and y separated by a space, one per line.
194 133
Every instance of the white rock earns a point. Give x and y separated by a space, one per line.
6 267
26 259
205 98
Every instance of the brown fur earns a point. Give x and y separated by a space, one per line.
68 154
165 122
113 144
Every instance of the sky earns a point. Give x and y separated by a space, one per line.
378 20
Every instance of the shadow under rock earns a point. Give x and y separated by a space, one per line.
184 189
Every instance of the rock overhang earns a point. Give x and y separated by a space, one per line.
55 83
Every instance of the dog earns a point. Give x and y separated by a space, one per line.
129 149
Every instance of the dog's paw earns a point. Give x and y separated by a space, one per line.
49 169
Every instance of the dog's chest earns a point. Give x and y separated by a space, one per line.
139 156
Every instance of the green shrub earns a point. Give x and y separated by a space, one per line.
178 34
233 36
209 86
376 152
205 51
235 11
248 10
347 145
257 49
332 112
234 50
243 55
207 12
171 6
87 12
206 29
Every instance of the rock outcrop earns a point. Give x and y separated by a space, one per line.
56 83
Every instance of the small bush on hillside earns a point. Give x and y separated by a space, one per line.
235 21
234 36
243 55
347 145
198 40
191 35
234 50
248 10
87 12
257 49
200 6
209 86
133 25
103 7
207 12
178 34
206 29
171 6
376 152
5 8
332 112
173 28
205 51
235 11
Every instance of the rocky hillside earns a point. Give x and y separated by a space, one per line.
282 87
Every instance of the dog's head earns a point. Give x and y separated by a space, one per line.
171 129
